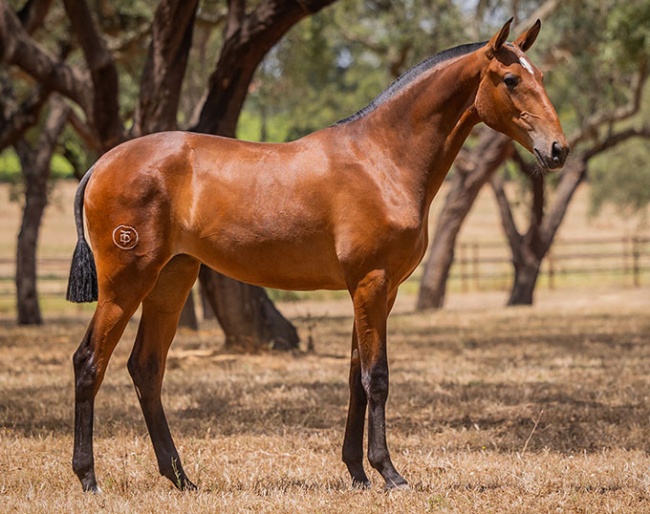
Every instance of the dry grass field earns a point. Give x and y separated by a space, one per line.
492 410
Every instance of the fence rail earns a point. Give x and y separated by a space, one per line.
477 265
488 265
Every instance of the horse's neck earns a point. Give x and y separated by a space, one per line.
429 122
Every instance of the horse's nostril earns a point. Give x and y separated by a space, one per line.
556 151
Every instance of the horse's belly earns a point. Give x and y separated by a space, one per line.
280 265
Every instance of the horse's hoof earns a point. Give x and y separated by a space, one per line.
187 485
92 488
397 485
361 484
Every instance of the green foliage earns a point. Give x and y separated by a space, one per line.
628 30
10 170
9 166
327 68
590 66
622 179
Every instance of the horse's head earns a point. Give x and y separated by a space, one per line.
511 98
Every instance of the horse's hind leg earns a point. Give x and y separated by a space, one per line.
90 362
161 310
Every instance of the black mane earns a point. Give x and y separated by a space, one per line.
410 75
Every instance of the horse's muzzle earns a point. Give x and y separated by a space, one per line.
553 159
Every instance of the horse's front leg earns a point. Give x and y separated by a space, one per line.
353 442
372 303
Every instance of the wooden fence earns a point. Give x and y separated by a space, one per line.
624 261
478 266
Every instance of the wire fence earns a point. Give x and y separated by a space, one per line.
479 266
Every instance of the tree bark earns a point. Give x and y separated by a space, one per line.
35 162
104 110
524 283
164 71
527 250
18 48
473 169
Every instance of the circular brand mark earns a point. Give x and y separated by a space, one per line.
125 237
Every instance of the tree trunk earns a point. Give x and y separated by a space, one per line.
35 163
188 317
29 312
473 170
529 250
247 316
524 284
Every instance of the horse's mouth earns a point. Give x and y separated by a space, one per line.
545 162
554 160
540 159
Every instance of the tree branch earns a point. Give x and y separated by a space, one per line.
542 12
247 41
105 112
32 15
507 219
593 124
614 139
84 131
165 68
18 48
13 125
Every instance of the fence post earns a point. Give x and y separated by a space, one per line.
636 253
463 268
551 270
475 264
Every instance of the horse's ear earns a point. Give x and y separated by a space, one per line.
526 40
498 39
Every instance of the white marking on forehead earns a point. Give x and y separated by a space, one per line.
526 65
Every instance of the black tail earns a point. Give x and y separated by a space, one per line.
82 282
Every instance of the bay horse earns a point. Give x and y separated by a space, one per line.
343 208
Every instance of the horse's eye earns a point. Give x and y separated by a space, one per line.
511 81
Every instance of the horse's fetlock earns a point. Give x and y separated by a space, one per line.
377 458
352 455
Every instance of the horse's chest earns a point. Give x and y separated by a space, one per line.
393 243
